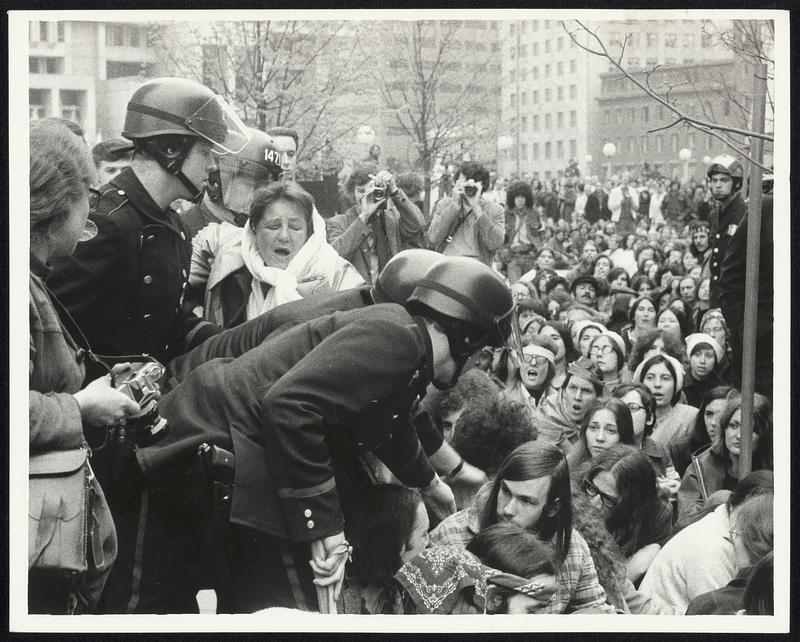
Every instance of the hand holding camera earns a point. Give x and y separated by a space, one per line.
373 200
102 405
469 192
139 382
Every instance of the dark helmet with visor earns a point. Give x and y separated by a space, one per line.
238 175
166 116
401 275
471 303
727 164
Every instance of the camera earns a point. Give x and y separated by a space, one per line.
470 188
139 382
379 193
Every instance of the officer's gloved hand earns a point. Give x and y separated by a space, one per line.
439 499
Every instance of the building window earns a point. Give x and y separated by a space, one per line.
660 144
523 26
705 40
607 116
573 66
535 48
60 31
573 118
524 150
560 119
652 40
633 63
631 114
536 151
651 62
560 93
619 115
726 106
631 145
690 141
547 70
115 35
72 104
669 60
643 144
38 99
670 40
547 150
645 114
536 73
688 61
512 76
511 28
573 91
560 45
44 31
548 95
535 25
560 68
573 148
560 149
536 123
523 51
688 40
709 143
116 69
535 96
673 142
547 46
547 121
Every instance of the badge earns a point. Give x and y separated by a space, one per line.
89 231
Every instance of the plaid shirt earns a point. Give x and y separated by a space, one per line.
579 587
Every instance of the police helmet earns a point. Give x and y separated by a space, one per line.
401 274
166 116
238 176
471 298
726 164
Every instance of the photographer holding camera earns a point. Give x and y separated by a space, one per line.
466 224
383 222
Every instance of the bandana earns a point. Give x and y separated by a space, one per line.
677 366
539 351
700 338
580 368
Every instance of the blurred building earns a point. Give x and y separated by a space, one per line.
86 72
550 89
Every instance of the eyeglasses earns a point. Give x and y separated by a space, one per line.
634 407
593 491
606 349
530 358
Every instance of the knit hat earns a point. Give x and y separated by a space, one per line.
693 341
676 365
616 339
714 313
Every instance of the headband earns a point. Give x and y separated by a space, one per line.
539 351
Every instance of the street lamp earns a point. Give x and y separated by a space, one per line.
706 160
365 135
685 154
609 150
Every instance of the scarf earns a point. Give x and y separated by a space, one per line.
315 261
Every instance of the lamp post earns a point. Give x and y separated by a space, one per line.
609 150
588 159
685 154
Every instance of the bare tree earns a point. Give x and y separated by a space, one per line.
735 138
439 95
296 74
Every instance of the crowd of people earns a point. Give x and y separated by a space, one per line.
523 401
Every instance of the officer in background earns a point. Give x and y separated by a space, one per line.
297 411
725 175
232 183
124 286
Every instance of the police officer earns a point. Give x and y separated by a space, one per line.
725 175
125 282
234 180
296 411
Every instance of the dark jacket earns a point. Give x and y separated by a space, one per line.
531 221
727 600
675 206
125 286
694 390
723 226
596 207
705 475
295 408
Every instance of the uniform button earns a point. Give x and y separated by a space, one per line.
310 524
717 236
147 280
120 192
184 273
307 512
716 277
716 250
146 316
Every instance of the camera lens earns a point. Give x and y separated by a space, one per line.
379 194
470 191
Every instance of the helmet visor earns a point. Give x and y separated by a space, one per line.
239 180
218 123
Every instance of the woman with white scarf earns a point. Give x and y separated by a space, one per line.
280 255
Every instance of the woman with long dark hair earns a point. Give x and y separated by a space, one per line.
715 472
642 317
607 423
622 483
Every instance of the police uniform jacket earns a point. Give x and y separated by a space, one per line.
347 379
724 224
124 287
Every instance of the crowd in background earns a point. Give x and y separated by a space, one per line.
590 458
